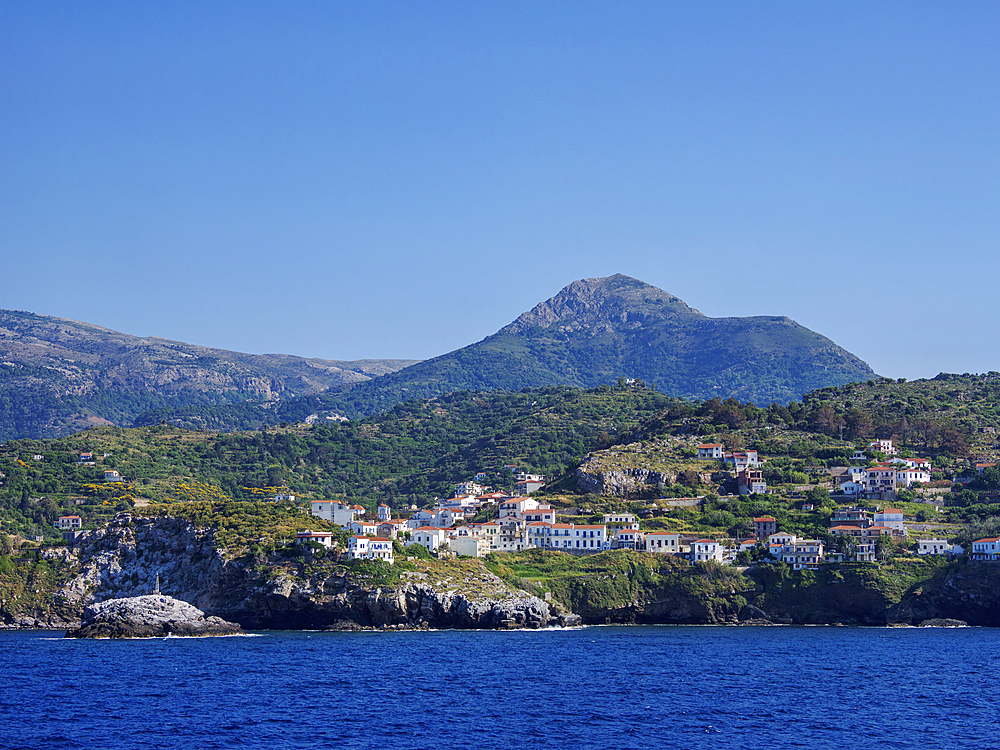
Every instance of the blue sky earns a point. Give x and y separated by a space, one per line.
400 179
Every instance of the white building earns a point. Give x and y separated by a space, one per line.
706 549
469 546
891 518
662 542
567 536
112 476
627 539
933 547
363 528
428 537
322 537
68 523
986 550
626 520
909 477
883 446
710 451
803 553
367 548
517 506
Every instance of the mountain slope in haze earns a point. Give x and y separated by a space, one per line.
59 376
597 330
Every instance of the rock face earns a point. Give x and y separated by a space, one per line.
125 559
152 616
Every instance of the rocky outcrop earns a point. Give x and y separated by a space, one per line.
152 616
621 482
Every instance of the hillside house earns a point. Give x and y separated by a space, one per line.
764 526
880 479
742 460
709 451
706 549
112 476
883 446
751 482
391 529
363 528
850 517
622 520
662 542
933 547
627 539
68 523
890 517
986 550
428 537
321 537
469 546
803 553
384 512
367 548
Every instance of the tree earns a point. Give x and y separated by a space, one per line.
884 548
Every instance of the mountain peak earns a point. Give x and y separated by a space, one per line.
610 302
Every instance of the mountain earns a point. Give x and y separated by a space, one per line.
59 376
598 330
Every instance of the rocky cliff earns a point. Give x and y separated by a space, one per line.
131 556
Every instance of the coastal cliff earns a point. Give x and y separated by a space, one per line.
131 556
303 589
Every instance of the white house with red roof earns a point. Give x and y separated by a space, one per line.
368 548
384 512
363 528
709 451
567 537
627 539
891 518
428 537
516 506
986 550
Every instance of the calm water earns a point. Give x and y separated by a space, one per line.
638 687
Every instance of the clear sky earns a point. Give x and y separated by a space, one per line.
400 179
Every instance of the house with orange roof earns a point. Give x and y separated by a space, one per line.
363 528
627 539
428 537
764 526
384 512
709 451
567 537
986 550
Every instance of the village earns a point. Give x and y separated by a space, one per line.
522 522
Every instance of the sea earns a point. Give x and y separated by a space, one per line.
580 688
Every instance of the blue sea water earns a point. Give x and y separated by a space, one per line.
603 687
